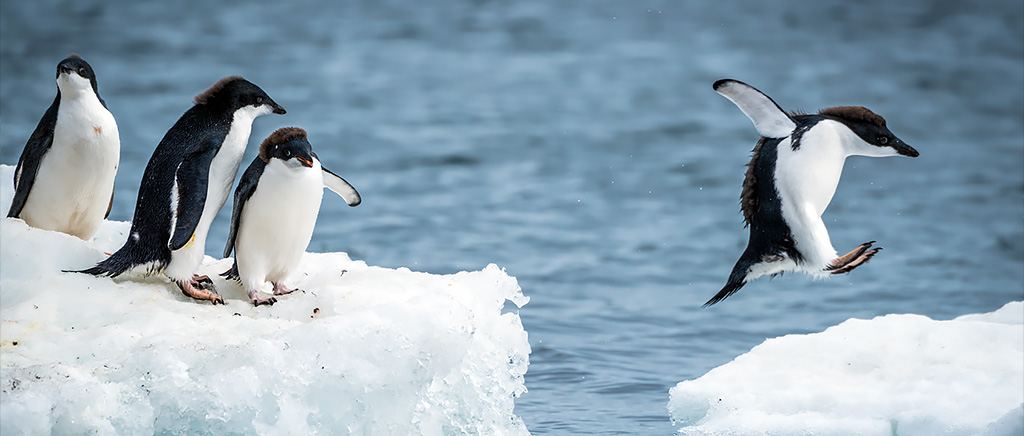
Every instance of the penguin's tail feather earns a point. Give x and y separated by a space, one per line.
737 278
100 270
729 289
124 259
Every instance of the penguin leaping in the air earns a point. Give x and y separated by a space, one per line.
65 177
790 180
275 209
186 182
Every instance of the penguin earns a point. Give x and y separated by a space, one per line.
64 180
274 211
186 182
790 180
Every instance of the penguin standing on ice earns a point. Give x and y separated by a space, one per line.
275 208
790 181
65 177
186 183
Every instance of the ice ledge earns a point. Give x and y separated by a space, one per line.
892 375
368 351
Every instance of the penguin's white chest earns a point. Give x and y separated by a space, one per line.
806 179
277 222
75 180
225 163
224 167
810 174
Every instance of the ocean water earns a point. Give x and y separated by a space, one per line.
579 145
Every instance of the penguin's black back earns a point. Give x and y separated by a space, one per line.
762 211
197 130
200 128
769 233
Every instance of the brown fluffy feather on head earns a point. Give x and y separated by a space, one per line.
280 136
854 113
204 96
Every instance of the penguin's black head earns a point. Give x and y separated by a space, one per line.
870 127
76 66
290 145
234 92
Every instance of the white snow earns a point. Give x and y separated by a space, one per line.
364 350
891 375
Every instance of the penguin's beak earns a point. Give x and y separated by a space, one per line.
904 149
306 162
279 110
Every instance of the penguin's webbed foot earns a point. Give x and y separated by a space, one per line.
260 301
281 289
859 256
196 288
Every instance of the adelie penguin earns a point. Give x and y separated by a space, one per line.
65 177
275 208
185 184
790 181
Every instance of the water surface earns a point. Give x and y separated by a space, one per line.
579 145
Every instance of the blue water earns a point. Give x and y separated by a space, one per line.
579 145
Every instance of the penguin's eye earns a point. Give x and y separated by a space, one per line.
287 153
883 140
81 71
259 100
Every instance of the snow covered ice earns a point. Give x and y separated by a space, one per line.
364 350
891 375
380 351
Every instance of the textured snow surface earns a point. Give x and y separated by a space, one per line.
363 350
891 375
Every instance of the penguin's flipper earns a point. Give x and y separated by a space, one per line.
109 205
768 117
191 180
232 274
337 184
246 186
28 165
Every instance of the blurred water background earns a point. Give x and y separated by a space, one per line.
579 145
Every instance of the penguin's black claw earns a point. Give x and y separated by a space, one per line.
257 301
